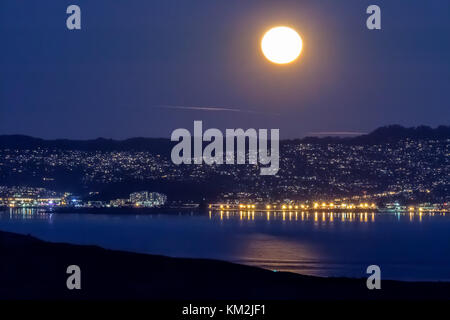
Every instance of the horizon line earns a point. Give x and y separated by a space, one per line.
307 135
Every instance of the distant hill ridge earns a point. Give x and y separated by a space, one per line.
389 133
384 134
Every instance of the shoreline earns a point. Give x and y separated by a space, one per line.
203 210
35 269
126 210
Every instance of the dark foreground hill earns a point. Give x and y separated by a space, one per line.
34 269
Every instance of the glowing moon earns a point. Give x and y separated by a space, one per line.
281 45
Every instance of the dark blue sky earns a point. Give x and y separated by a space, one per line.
131 57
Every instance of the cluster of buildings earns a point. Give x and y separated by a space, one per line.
29 197
293 206
142 199
17 196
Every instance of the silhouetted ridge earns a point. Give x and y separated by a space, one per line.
389 133
385 134
139 144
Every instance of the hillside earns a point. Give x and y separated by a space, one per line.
34 269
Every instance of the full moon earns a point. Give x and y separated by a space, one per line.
281 45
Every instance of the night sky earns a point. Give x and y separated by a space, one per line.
145 68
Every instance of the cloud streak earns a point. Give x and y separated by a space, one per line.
213 109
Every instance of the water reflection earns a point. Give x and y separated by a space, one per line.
407 245
27 214
278 254
319 217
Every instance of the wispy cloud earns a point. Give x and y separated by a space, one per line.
336 133
213 109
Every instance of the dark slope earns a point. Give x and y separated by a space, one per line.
34 269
